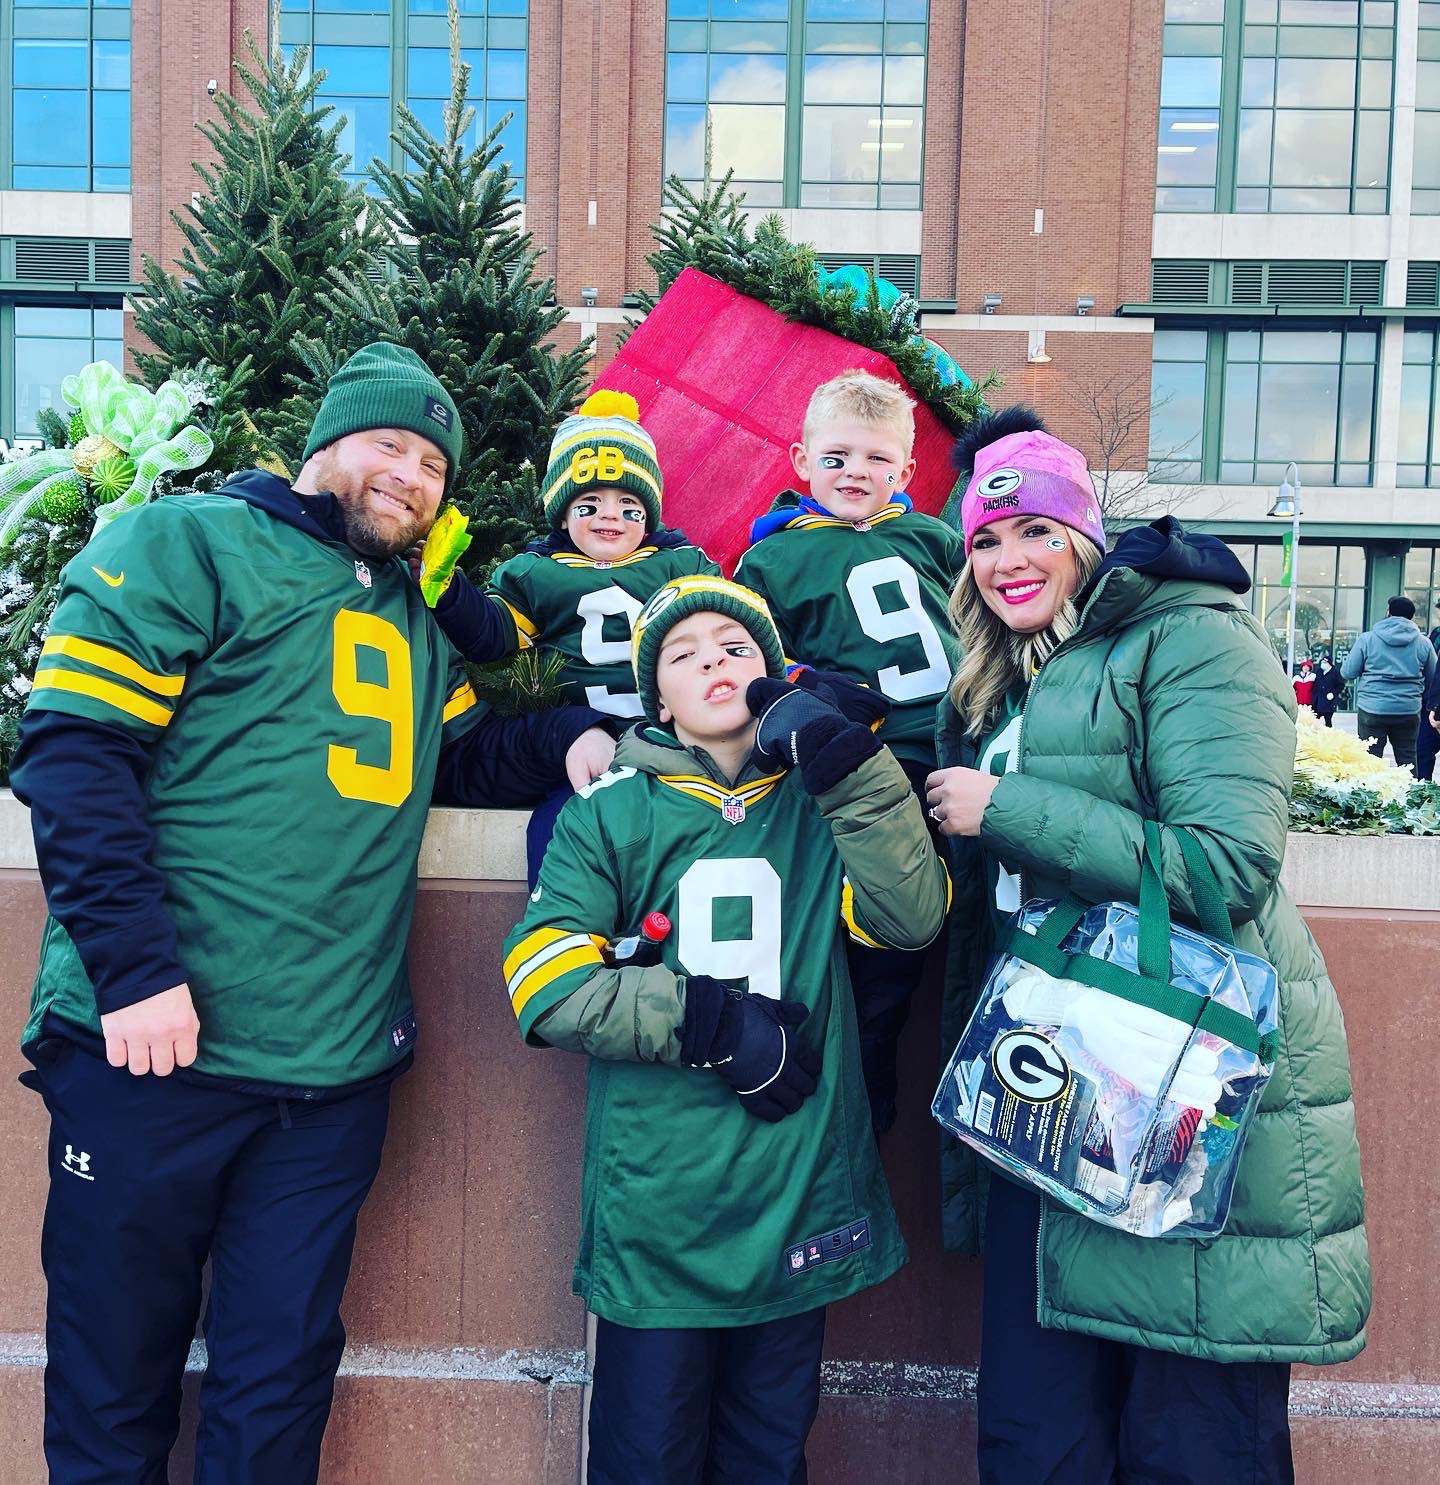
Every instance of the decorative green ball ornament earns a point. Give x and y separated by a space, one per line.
111 477
77 429
63 501
90 451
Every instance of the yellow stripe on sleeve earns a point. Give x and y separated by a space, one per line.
847 913
525 628
462 698
583 956
115 661
106 691
531 944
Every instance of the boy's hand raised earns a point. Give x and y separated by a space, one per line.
750 1042
852 700
801 729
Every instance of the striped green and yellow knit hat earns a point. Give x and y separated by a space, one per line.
694 595
602 445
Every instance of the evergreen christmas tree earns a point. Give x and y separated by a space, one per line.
274 222
461 291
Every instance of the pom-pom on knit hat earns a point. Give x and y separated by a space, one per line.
1017 468
602 446
694 595
388 386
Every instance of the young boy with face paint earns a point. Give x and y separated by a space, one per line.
858 582
731 1186
578 590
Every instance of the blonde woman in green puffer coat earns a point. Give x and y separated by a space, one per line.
1095 695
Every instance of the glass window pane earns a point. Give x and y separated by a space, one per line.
840 145
50 129
1314 83
685 140
505 74
41 365
1360 345
1352 565
1415 395
749 139
749 37
1427 84
1179 345
1186 152
429 75
1242 345
1177 413
366 132
685 77
52 321
747 79
845 10
1195 10
1357 405
1252 147
354 69
1319 13
1375 84
1301 345
1319 564
901 133
1427 151
1190 82
111 114
1418 562
1298 406
1372 148
1257 82
842 79
1237 426
1311 148
112 64
51 64
905 79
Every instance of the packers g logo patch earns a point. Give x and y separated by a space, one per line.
659 601
1030 1066
997 489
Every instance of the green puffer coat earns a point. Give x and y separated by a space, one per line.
1167 704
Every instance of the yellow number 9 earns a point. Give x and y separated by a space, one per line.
392 703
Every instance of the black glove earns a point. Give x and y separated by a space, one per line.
750 1041
799 728
852 700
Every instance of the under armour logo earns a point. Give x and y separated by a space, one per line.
77 1163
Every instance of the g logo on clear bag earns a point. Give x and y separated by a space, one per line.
1030 1066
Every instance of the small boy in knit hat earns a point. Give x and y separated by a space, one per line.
578 590
858 582
731 1186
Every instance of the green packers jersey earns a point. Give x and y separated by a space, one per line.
584 607
694 1212
868 598
999 754
292 698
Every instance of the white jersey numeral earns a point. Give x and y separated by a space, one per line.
756 957
1004 747
593 609
899 685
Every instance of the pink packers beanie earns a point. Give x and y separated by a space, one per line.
1018 469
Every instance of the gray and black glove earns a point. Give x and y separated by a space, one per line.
852 700
801 729
750 1041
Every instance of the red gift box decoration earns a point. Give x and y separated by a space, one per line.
722 382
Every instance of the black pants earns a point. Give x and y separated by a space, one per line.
148 1178
730 1406
1427 746
1057 1408
883 982
1400 732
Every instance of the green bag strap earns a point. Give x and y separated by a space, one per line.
1210 910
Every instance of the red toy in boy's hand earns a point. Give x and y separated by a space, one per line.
723 381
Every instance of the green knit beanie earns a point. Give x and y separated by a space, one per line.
388 386
695 595
602 445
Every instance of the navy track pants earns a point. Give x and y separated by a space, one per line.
728 1406
149 1177
1058 1408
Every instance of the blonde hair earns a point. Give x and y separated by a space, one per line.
864 398
994 657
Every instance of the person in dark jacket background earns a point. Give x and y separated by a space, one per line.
1394 664
240 711
1427 744
1097 693
1329 686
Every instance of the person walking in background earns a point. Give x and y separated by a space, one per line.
1304 684
1394 664
1329 686
1427 744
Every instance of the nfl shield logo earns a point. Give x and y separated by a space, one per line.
797 1258
862 525
733 809
604 564
362 573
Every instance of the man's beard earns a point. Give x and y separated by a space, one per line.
362 530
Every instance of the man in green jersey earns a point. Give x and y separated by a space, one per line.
240 713
858 582
731 1184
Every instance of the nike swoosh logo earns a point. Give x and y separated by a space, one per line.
106 578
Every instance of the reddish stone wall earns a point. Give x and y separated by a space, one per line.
466 1357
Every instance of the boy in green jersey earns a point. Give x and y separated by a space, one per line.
858 582
577 591
731 1185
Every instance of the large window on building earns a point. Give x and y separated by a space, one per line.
809 102
1422 585
40 346
1234 405
1276 106
68 105
1330 601
1425 195
376 51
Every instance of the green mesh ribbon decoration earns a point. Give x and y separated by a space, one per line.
150 427
130 435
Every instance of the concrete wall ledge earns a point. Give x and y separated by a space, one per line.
1399 873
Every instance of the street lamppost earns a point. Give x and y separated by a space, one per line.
1287 507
